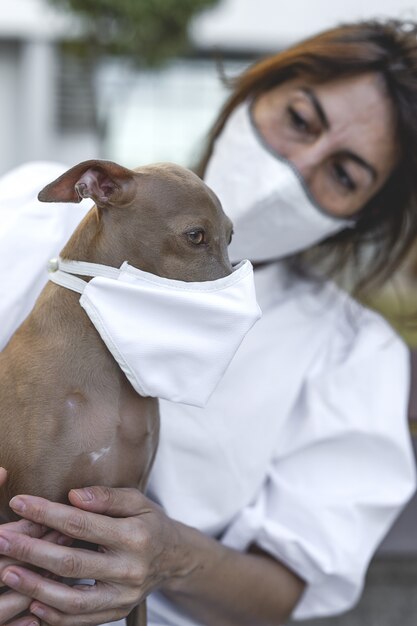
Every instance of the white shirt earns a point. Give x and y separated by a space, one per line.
31 233
303 448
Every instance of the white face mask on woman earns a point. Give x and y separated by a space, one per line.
272 210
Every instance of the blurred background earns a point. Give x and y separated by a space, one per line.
141 81
146 85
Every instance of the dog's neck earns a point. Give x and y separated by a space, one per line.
89 243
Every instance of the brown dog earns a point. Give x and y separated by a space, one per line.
62 396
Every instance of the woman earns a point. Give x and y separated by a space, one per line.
286 483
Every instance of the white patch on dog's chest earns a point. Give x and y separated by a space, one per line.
95 456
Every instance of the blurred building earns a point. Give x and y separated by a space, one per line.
55 106
170 110
47 106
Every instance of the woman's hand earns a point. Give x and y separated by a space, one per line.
139 549
13 603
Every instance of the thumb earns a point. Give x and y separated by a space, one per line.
116 502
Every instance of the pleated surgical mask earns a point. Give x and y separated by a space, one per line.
273 213
172 339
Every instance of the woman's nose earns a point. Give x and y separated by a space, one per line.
307 160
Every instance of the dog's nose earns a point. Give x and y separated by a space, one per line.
225 268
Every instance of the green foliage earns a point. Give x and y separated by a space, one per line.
148 31
399 307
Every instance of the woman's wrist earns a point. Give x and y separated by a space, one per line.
184 557
219 585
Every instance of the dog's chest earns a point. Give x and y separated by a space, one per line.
113 435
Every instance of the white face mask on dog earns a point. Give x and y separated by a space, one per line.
272 210
172 339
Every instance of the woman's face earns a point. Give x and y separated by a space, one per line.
340 136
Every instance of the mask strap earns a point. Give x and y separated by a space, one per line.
66 280
61 273
87 269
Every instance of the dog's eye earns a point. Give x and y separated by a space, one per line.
196 236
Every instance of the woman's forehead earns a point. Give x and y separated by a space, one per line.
354 98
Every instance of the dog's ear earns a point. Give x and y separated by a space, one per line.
94 179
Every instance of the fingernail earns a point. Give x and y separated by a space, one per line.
63 540
86 495
38 611
11 579
4 545
17 504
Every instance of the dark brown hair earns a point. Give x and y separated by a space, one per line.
387 226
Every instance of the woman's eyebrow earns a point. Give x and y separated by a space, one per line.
324 120
317 106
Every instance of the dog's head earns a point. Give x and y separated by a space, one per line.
161 218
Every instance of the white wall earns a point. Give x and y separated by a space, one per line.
8 104
34 19
30 31
268 24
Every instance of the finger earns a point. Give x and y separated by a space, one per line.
68 520
22 526
51 537
60 560
116 502
28 620
26 527
57 618
54 536
60 596
3 475
4 562
11 604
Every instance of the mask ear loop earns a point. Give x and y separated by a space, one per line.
67 280
84 268
61 272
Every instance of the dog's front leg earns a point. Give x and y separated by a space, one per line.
137 617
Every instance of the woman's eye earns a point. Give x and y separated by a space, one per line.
343 177
196 237
298 122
